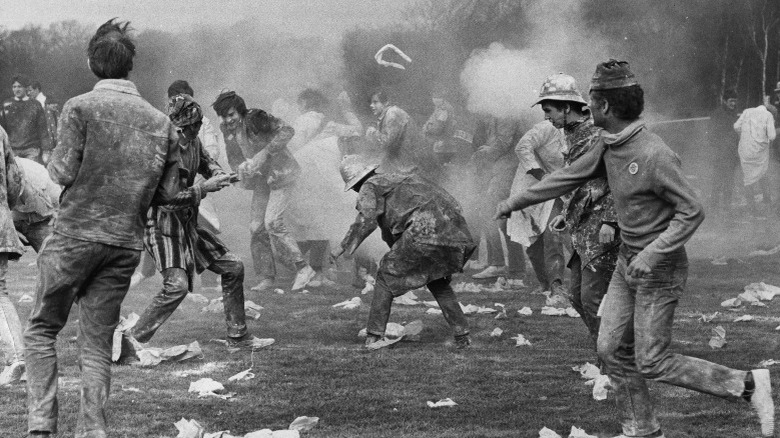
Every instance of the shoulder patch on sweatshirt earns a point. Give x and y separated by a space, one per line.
633 168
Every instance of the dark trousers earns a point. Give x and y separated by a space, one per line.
546 253
176 287
588 287
722 182
442 292
98 276
33 227
317 250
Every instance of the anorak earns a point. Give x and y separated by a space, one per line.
398 141
591 205
422 224
116 155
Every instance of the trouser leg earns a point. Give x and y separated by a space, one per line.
174 290
260 240
492 234
588 287
317 254
37 232
231 268
381 304
515 257
450 308
10 324
284 245
554 260
535 254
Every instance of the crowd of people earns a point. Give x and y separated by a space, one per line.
122 177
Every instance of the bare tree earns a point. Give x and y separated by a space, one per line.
762 16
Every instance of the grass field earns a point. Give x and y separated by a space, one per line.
318 368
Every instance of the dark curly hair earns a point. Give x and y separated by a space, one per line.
111 51
227 100
627 103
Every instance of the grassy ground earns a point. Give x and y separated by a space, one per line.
317 367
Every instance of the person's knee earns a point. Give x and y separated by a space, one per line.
175 283
651 367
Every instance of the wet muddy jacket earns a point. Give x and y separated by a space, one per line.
656 206
591 205
422 224
398 141
10 191
116 155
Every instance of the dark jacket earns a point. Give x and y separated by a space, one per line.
25 123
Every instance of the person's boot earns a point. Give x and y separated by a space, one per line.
370 339
248 342
265 284
462 341
303 277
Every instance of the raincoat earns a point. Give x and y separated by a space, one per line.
756 127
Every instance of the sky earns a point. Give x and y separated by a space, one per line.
301 17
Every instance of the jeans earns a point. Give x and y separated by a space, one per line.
97 276
33 227
633 343
442 292
270 239
10 325
588 287
176 287
546 253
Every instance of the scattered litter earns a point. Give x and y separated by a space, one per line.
130 389
396 332
762 252
718 339
431 303
470 309
520 340
600 387
445 402
189 429
765 292
370 284
731 302
708 318
587 370
572 313
214 306
466 287
304 423
502 312
553 311
744 318
768 362
252 309
556 300
548 433
126 324
25 298
207 387
407 299
152 356
279 291
576 432
305 291
526 311
720 261
386 47
352 303
247 374
433 311
206 368
496 333
198 298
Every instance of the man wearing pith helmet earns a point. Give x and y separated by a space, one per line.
657 213
589 214
428 238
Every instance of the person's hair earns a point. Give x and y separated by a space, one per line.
227 100
180 86
111 50
381 96
627 103
21 79
561 105
260 122
313 100
36 85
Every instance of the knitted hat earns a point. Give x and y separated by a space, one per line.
612 74
183 111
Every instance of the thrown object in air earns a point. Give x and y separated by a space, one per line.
382 62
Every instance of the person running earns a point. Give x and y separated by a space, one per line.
657 213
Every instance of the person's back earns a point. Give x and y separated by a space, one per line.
112 152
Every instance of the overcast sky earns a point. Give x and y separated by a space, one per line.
311 17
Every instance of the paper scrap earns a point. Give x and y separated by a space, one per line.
587 370
467 287
600 387
718 339
744 318
572 313
767 363
497 332
352 303
198 298
407 299
214 306
520 340
247 374
553 311
304 423
576 432
445 402
501 311
279 291
732 302
548 433
189 429
207 387
708 318
433 311
525 311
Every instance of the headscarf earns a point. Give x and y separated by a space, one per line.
183 110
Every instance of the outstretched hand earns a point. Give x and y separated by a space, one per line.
503 211
216 183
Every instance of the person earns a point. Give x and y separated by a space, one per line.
540 151
25 122
773 105
11 344
657 213
427 235
724 156
116 156
589 212
181 247
37 204
256 146
756 128
396 139
495 165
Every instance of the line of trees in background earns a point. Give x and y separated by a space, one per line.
692 50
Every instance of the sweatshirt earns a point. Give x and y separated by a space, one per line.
656 206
